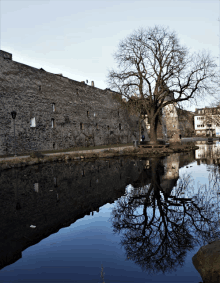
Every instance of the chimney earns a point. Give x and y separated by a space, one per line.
92 83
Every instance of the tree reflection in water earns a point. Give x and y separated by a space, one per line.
159 228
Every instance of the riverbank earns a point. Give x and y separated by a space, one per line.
111 152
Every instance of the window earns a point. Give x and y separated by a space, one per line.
81 126
53 107
40 88
33 122
108 128
119 126
87 113
52 123
96 126
36 187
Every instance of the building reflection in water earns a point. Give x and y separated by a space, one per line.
207 153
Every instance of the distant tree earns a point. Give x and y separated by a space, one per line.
154 71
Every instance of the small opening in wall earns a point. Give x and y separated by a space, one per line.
55 182
137 122
108 128
53 107
39 87
96 126
52 123
77 91
53 144
36 187
119 126
83 173
81 126
87 113
33 122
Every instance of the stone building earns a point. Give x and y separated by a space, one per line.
168 127
55 112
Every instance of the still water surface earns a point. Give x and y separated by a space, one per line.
141 219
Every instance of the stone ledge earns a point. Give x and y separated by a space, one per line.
107 153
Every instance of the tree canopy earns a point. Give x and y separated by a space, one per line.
155 69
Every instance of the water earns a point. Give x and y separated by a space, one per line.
125 215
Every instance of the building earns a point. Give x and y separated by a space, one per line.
55 112
206 121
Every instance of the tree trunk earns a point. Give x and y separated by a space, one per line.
153 130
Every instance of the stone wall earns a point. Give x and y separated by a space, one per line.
81 115
186 122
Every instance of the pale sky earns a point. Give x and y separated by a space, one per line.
78 37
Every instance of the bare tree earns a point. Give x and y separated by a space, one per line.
154 71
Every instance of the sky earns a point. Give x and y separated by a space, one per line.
79 37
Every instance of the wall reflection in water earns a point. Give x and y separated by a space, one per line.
157 223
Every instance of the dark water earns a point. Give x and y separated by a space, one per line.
142 220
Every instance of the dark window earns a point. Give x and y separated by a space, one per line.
81 126
119 126
40 88
87 113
